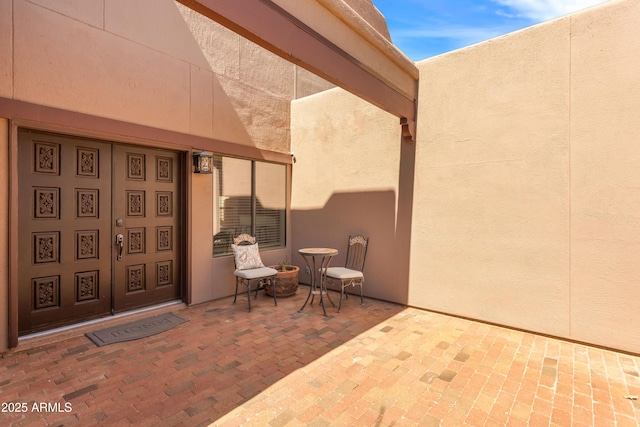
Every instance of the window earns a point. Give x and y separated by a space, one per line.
248 197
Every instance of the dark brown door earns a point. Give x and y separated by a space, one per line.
64 230
146 215
75 197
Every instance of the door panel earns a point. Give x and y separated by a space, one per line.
146 183
75 197
64 230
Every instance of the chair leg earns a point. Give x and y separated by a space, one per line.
236 294
249 294
341 294
361 295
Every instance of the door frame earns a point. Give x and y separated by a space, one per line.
183 204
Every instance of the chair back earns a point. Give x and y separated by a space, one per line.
357 252
244 239
246 253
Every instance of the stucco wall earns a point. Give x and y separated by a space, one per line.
6 48
4 231
116 59
346 181
491 213
605 183
526 191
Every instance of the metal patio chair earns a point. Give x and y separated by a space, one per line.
352 272
249 267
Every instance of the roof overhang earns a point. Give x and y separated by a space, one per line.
329 39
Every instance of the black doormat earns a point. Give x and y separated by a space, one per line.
135 330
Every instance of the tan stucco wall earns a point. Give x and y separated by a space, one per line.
491 212
526 187
4 231
6 48
111 60
346 181
81 67
5 90
605 183
526 191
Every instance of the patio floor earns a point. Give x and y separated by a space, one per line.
378 364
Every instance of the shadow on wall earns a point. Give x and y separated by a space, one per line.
220 64
372 214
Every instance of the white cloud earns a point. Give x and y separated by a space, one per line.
465 35
543 10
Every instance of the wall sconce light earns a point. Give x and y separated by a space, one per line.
202 162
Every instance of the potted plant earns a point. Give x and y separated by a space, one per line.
286 281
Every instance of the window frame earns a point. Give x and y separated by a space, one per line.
218 206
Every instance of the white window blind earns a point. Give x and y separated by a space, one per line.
249 197
271 203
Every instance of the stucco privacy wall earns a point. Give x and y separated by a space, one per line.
605 178
491 214
346 181
526 191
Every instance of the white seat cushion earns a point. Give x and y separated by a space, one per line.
254 273
343 273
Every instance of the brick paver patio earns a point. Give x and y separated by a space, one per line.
378 364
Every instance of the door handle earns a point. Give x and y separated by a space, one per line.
120 244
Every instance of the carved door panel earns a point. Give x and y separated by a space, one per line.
75 197
64 248
147 217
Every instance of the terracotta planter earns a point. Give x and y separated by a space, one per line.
286 282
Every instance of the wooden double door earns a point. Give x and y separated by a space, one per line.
99 229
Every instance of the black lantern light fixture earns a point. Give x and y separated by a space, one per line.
202 162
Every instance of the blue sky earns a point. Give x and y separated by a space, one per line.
425 28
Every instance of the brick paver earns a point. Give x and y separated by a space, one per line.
378 364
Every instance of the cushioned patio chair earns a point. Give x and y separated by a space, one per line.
249 267
352 272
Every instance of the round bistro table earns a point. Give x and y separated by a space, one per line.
318 287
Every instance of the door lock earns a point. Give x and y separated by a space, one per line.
120 244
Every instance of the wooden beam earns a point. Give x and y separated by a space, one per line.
275 29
